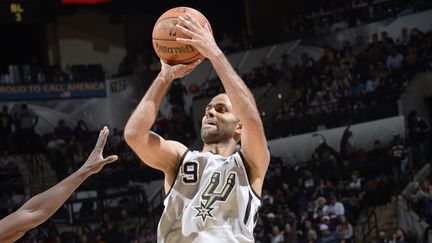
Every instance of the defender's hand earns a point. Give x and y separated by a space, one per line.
96 161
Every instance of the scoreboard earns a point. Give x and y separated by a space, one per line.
19 11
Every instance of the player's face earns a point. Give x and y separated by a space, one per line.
219 122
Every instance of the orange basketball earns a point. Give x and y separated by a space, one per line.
165 34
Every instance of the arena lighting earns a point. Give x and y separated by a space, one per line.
84 1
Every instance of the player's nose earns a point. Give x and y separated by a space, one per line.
210 112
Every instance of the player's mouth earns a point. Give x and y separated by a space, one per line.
209 123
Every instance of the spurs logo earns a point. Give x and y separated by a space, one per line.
210 196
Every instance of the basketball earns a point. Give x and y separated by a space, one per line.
165 33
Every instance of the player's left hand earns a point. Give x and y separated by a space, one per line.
171 72
201 37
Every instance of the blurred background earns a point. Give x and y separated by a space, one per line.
344 88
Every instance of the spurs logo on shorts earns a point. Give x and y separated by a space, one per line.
210 196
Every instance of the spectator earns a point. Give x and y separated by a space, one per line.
382 238
62 131
345 229
339 24
127 226
6 133
394 60
398 151
335 209
417 135
5 160
422 199
399 236
260 236
345 144
277 236
289 235
26 120
81 131
386 42
312 236
404 38
327 236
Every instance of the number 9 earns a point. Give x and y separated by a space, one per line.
190 172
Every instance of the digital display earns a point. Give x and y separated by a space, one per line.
84 1
19 11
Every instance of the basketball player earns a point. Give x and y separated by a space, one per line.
42 206
212 195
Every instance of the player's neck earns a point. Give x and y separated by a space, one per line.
224 149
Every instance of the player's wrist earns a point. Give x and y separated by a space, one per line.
164 77
215 55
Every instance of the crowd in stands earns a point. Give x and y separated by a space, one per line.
360 82
422 199
36 73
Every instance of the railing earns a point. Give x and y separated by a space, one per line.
371 224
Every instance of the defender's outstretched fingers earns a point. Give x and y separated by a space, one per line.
110 159
103 135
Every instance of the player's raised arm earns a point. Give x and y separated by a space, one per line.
154 150
253 141
42 206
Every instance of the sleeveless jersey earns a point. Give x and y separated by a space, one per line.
211 200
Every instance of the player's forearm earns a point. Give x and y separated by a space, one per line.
145 114
241 97
45 204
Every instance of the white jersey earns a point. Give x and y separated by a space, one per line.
211 200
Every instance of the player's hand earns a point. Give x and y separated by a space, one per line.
171 72
96 161
200 37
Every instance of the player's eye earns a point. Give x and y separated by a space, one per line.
220 109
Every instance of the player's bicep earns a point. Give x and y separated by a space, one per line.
157 152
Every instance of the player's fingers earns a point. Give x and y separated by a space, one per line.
103 134
193 20
197 62
110 159
187 23
186 41
207 27
185 31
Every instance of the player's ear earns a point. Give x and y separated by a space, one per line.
237 132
